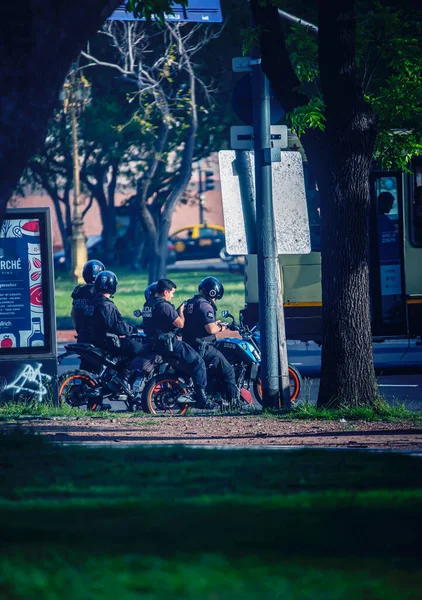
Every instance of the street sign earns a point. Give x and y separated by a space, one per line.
197 11
242 137
243 102
289 203
240 64
28 349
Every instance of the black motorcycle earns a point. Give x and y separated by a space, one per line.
99 380
172 391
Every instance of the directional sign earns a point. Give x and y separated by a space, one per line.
197 11
289 202
242 137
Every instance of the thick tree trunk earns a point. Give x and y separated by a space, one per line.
342 157
38 41
347 369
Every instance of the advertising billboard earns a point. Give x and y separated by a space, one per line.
27 310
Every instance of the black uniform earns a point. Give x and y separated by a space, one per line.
158 318
82 296
199 312
101 317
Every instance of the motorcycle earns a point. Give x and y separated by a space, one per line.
99 377
172 389
245 356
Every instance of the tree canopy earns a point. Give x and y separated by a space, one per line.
39 39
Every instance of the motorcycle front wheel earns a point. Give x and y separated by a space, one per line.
162 393
295 385
74 386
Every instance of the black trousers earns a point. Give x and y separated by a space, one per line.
223 370
190 361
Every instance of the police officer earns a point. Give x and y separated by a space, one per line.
103 317
81 296
202 326
160 321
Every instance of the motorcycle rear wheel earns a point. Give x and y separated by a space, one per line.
295 385
161 394
73 387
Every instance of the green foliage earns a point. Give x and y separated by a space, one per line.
153 8
310 116
389 58
394 83
303 52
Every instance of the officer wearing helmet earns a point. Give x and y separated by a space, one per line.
103 317
160 322
202 326
82 295
150 291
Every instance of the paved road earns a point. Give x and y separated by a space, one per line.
398 366
208 264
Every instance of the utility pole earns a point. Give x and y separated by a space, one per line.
200 194
75 96
266 243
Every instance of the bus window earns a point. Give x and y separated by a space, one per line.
314 216
389 245
416 209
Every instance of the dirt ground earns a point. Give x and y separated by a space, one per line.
236 430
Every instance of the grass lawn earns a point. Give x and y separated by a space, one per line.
130 293
183 523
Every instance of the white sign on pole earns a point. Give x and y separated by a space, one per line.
242 137
289 202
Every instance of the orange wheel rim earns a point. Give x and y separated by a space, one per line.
183 408
66 381
295 385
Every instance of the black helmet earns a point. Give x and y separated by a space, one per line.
91 270
106 282
211 288
150 291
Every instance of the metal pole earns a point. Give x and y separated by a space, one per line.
201 194
293 19
78 245
267 253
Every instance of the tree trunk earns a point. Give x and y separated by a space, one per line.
38 41
342 157
347 369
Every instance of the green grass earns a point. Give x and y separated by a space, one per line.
381 411
176 522
130 293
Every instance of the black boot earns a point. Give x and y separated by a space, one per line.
202 400
122 378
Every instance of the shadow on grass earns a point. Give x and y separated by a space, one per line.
170 523
156 499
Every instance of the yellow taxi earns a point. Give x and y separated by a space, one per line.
195 242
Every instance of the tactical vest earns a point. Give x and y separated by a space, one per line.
191 331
